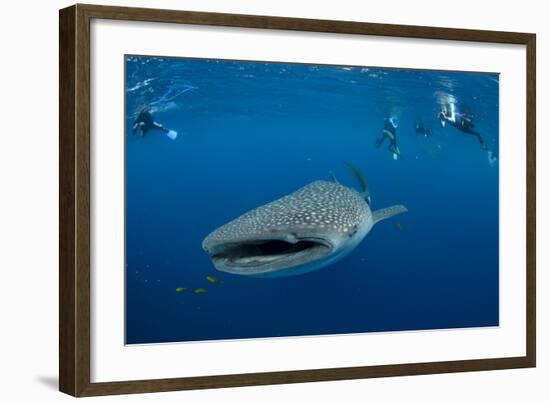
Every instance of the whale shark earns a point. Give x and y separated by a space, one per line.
307 230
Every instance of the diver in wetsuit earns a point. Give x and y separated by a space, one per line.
462 122
145 123
390 132
423 130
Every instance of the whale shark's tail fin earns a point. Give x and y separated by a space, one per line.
362 180
387 212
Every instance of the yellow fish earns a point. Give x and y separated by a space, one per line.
214 280
199 291
180 289
399 226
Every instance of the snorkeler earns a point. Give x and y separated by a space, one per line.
390 132
461 121
145 123
423 130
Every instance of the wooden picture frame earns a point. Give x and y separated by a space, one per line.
74 201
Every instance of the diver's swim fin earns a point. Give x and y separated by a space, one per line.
362 180
172 134
396 153
388 212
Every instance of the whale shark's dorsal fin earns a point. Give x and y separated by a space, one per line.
362 180
387 212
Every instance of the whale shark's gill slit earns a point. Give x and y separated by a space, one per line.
255 253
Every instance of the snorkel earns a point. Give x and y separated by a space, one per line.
394 121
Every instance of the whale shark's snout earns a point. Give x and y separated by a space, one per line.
264 254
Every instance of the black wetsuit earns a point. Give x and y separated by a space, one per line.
421 129
389 132
145 123
465 124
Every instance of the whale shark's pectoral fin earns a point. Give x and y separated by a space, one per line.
388 212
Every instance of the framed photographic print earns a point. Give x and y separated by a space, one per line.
251 200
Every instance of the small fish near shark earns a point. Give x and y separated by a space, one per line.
304 231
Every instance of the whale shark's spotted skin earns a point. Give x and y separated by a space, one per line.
307 230
325 205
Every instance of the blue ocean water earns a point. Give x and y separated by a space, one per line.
251 132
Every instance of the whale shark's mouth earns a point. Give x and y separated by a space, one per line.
248 257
